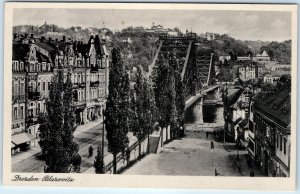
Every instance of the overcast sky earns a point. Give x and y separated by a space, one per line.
245 25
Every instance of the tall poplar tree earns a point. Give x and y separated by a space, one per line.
57 126
117 108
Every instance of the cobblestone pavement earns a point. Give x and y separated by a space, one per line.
192 156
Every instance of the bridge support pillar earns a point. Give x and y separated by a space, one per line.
199 111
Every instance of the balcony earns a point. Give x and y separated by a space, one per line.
20 98
79 85
31 120
34 95
94 83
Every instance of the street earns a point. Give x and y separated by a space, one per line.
192 156
86 135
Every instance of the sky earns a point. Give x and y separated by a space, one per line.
244 25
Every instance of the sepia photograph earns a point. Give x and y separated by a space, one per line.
153 90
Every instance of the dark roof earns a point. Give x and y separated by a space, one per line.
42 58
98 45
45 45
237 121
81 48
233 95
243 124
20 51
276 104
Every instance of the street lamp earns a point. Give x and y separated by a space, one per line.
103 112
238 147
225 104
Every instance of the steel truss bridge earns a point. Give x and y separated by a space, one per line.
195 66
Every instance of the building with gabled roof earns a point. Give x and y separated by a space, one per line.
272 120
34 61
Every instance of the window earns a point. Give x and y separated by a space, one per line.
16 88
38 109
280 142
284 146
15 112
49 85
22 112
39 86
268 131
22 88
44 86
277 141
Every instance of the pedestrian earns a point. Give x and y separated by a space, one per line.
252 173
206 134
91 150
239 168
212 146
216 172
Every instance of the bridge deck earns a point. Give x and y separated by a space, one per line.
193 99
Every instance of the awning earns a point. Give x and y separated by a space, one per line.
21 138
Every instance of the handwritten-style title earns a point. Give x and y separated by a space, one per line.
49 178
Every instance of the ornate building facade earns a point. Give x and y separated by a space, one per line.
35 60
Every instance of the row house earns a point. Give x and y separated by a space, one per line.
272 131
35 60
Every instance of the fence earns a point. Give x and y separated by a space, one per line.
130 156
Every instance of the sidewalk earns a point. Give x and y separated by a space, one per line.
87 126
109 157
36 149
25 154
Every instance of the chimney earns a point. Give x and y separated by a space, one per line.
31 36
26 35
50 39
56 40
42 38
64 38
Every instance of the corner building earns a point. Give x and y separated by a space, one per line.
35 61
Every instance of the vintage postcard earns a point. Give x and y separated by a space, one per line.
150 95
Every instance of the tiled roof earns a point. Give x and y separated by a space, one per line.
279 73
276 105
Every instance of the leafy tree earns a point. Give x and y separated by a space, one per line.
141 107
268 87
117 107
57 127
99 161
279 51
164 90
180 99
140 129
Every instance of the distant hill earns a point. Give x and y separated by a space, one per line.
138 47
255 46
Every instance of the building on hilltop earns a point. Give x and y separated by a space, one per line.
262 57
248 71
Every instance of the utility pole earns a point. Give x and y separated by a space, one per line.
103 133
225 104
